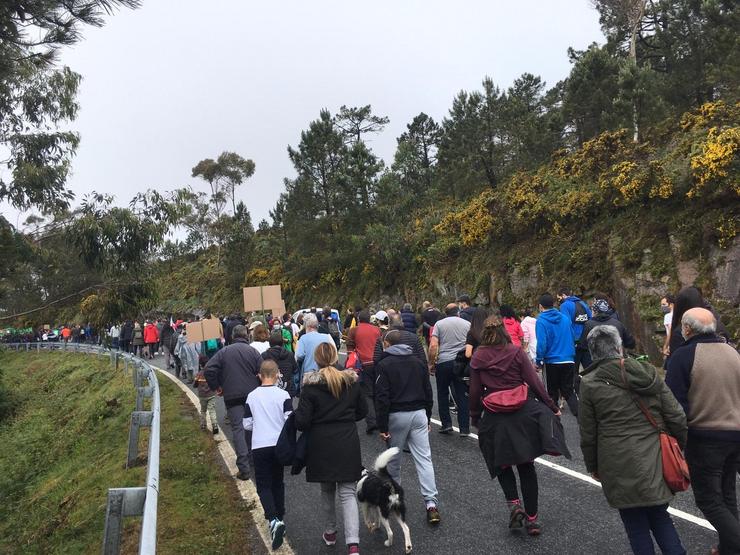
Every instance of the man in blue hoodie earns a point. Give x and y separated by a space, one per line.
556 352
577 313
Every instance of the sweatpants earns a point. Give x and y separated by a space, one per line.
268 477
559 380
239 437
208 406
528 480
347 493
412 429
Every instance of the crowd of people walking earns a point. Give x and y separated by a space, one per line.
510 375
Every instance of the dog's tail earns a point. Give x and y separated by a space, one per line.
384 458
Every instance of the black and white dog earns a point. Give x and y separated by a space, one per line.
380 497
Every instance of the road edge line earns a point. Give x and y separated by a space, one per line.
246 487
589 480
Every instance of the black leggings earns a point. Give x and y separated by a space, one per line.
528 480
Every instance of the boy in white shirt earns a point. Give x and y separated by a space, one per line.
267 408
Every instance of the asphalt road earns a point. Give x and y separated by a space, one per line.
574 514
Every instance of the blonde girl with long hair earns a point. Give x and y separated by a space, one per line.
330 403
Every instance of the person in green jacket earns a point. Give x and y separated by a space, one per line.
621 448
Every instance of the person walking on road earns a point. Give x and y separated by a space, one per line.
127 333
188 356
403 401
704 375
232 372
529 329
207 398
621 447
362 339
512 433
137 340
466 309
429 317
556 352
114 333
151 339
285 361
307 345
407 338
448 339
330 404
603 315
267 408
408 315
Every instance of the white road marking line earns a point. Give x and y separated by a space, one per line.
589 480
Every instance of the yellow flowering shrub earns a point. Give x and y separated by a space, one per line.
710 114
257 276
473 223
595 156
716 157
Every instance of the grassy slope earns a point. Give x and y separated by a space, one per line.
65 446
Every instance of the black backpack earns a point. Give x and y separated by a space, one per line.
580 316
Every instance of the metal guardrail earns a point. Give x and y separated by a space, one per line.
122 502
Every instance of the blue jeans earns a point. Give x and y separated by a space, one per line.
639 522
445 378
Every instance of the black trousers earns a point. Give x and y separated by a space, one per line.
268 478
560 384
367 386
713 466
528 480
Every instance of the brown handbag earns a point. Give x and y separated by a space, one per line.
675 469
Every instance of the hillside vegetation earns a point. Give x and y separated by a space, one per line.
66 445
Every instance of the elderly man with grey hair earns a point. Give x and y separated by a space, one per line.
232 372
618 441
307 345
704 375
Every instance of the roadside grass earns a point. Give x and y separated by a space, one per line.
65 445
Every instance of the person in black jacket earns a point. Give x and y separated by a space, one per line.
127 333
410 322
330 404
285 361
233 373
603 315
403 406
407 338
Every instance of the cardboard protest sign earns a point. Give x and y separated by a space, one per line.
211 329
278 310
262 297
194 332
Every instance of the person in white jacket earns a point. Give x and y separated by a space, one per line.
187 354
528 324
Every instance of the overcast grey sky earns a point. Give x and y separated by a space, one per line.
181 80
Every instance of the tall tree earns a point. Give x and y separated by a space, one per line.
354 122
37 99
224 175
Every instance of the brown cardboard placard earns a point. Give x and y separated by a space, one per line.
278 310
212 329
262 297
194 332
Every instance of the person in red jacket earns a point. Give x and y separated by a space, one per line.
151 338
362 338
512 325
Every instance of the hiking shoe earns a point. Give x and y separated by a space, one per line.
445 430
215 430
516 517
330 538
465 433
277 531
433 517
353 549
244 476
533 527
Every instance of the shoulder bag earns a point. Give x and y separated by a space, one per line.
507 400
675 469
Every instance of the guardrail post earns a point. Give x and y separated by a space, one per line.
139 419
121 502
141 394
